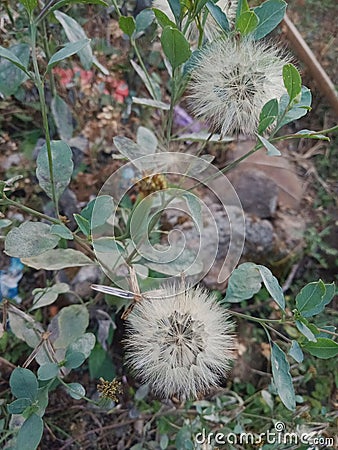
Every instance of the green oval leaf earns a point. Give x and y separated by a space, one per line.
129 149
268 115
272 286
62 167
70 323
62 231
292 82
84 344
47 296
244 283
127 25
270 14
68 50
281 377
296 352
62 116
83 224
11 76
247 22
19 405
303 328
175 6
23 383
313 298
76 390
48 371
74 359
218 15
175 46
242 6
162 19
324 348
30 239
298 110
13 58
143 20
146 139
30 433
75 33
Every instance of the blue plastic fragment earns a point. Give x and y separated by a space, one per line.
9 280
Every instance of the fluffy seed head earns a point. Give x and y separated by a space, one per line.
180 344
211 29
231 82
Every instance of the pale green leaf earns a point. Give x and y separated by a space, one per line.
146 139
62 231
63 117
272 286
219 16
151 103
30 239
74 33
69 324
62 167
30 433
23 383
68 50
13 58
47 296
11 77
19 405
296 352
58 259
76 390
244 283
48 371
282 377
270 14
271 150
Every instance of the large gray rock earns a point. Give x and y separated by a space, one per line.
257 192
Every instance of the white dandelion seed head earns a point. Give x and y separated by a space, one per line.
211 29
232 81
180 344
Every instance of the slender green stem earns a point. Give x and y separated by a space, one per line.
278 333
255 319
33 212
117 9
171 109
40 87
48 55
327 331
299 136
227 168
44 11
140 59
83 397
